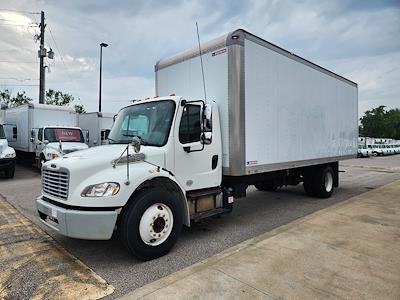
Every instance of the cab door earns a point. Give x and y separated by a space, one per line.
197 160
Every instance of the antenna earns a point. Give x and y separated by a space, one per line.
201 62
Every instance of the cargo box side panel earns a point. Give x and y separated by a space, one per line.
294 112
185 79
18 118
50 117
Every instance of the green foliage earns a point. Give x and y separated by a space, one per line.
79 109
52 97
381 123
19 99
58 98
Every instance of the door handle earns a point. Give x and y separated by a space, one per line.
214 161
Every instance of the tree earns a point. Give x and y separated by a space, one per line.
19 99
58 98
5 96
62 99
381 123
79 109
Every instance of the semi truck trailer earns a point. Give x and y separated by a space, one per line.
42 132
269 118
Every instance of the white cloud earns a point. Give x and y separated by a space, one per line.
359 41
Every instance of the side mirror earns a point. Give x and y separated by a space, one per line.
206 138
207 122
46 142
136 144
32 134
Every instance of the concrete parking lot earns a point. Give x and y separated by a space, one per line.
258 213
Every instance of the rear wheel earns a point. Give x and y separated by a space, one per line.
266 186
151 224
323 182
308 186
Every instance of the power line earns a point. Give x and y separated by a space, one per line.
21 11
3 84
14 78
18 62
62 58
20 25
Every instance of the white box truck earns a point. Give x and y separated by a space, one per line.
7 153
43 132
98 125
270 119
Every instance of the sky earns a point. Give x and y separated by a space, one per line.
359 40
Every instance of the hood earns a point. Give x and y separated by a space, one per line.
67 147
101 157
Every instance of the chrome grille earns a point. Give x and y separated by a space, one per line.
55 183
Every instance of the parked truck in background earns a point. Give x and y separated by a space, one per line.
270 119
363 150
7 153
43 132
98 125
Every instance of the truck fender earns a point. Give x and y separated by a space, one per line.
169 183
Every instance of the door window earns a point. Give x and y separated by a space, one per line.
190 126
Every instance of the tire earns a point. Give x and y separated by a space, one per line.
10 172
323 182
308 186
266 186
40 163
140 234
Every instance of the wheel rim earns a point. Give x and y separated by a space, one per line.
156 224
328 181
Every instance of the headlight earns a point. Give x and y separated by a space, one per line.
101 189
52 155
9 155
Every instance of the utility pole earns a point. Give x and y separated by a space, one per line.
42 55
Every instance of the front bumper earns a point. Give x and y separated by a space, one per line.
5 163
81 224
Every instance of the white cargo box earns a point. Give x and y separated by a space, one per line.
98 124
277 110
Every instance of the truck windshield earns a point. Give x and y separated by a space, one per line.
2 135
150 121
63 135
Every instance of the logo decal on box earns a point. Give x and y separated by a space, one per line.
252 162
218 52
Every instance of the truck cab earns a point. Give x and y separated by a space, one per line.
363 151
7 155
160 152
51 142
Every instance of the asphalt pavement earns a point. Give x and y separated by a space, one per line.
256 214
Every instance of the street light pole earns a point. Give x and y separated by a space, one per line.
101 62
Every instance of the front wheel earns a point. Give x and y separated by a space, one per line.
151 224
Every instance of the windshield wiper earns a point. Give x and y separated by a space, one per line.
142 141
